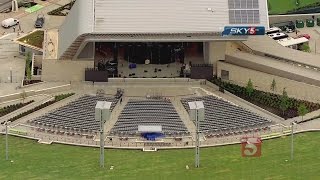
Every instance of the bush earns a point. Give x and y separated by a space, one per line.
8 109
56 99
269 101
58 11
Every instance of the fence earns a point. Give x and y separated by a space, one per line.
133 143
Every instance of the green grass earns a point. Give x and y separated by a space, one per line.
283 6
36 161
34 8
34 39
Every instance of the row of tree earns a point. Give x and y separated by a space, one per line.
289 107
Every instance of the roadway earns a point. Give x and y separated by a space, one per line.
27 20
13 64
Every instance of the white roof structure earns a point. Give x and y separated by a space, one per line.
292 41
145 128
157 17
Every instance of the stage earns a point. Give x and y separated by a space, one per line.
149 60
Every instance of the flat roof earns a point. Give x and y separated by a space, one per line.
266 45
292 41
155 17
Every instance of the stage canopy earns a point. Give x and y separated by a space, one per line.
149 129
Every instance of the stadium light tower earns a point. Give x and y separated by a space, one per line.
7 147
102 114
197 114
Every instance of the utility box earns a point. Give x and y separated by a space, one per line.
310 23
299 24
318 21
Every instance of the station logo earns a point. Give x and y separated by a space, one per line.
243 30
251 146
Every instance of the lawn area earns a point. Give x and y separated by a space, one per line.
34 39
36 161
283 6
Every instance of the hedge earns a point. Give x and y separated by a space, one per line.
56 99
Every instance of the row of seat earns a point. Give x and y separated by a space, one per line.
221 114
78 114
148 112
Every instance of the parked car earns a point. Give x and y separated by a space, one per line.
9 22
288 30
304 35
39 22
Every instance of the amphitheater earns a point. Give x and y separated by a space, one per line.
159 102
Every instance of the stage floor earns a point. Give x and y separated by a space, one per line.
148 70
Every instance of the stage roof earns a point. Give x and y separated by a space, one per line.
158 17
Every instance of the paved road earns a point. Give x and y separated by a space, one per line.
27 20
10 60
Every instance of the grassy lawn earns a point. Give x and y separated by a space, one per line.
36 161
283 6
34 39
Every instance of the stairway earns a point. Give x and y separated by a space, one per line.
184 115
114 115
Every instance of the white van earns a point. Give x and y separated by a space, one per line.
9 22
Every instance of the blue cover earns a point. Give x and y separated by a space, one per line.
152 136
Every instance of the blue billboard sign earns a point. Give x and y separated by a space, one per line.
243 30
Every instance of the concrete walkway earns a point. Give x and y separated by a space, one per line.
114 115
184 116
41 100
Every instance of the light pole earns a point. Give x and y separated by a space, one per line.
102 114
7 147
293 123
10 74
197 113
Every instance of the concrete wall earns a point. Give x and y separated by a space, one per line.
87 52
283 18
216 52
64 70
27 49
262 81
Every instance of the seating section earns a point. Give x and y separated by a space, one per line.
224 117
149 112
77 115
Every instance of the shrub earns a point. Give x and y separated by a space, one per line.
8 109
277 104
56 99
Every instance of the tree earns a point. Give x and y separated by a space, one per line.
284 101
302 110
273 85
249 88
23 95
305 47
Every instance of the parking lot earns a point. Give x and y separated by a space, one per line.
12 66
314 41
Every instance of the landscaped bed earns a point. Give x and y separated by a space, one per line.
56 99
8 109
280 105
63 10
34 39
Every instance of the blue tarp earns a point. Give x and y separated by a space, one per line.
152 136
